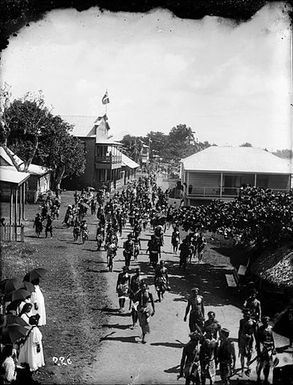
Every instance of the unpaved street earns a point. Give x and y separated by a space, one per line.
82 309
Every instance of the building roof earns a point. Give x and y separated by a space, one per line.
82 125
9 174
275 267
128 162
38 170
236 159
33 168
107 141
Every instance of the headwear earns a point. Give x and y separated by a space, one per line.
225 331
195 289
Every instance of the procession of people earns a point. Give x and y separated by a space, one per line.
144 207
120 220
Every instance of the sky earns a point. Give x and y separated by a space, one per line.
231 83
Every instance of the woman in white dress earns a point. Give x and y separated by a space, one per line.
37 299
31 352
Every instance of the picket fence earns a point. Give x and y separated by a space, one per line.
12 233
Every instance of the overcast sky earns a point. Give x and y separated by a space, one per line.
229 82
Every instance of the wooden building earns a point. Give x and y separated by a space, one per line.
218 172
103 158
39 182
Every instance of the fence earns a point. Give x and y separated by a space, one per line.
9 233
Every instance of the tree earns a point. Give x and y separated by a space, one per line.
246 144
182 142
22 122
61 151
159 145
132 146
33 133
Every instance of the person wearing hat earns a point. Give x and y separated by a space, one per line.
196 306
265 346
190 364
246 335
226 356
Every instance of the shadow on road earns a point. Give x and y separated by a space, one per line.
208 278
131 339
174 369
116 326
167 344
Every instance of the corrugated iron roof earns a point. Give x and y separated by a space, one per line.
33 168
237 159
10 175
82 125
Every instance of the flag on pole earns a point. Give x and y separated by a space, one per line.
106 99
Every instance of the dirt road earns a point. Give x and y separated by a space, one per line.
83 321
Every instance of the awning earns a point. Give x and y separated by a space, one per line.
127 162
10 175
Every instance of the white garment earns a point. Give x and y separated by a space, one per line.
38 298
28 352
9 370
26 317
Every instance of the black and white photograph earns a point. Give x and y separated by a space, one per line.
146 193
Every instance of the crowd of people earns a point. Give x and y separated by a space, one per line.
49 210
259 217
144 206
22 317
210 345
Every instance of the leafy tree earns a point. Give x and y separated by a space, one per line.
33 133
22 122
132 146
61 151
159 144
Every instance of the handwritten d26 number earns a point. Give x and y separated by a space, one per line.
62 361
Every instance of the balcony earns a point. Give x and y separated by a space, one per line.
108 161
225 193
